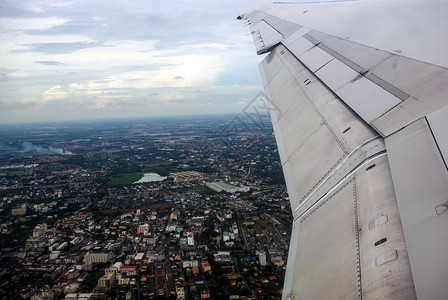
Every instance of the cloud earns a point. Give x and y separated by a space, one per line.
123 58
57 48
54 93
50 63
31 23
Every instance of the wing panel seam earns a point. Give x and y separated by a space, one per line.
437 144
348 166
371 76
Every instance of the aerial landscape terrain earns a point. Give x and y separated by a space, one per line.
178 207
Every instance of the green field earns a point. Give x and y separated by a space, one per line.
16 173
126 178
162 167
222 185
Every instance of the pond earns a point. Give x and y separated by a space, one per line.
151 177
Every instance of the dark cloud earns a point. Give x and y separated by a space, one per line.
49 63
178 77
198 91
57 48
13 106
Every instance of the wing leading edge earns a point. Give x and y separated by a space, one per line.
362 139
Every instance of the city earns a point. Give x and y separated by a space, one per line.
178 208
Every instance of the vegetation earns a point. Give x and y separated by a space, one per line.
92 279
126 178
161 167
262 223
157 205
100 214
41 200
16 173
200 189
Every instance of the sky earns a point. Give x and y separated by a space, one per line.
95 59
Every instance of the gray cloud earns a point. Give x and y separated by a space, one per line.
15 106
57 48
49 63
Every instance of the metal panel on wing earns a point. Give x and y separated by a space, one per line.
301 130
327 265
360 55
314 160
286 90
315 58
421 183
336 74
380 232
298 46
425 83
366 98
269 38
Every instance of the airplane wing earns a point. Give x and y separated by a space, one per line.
359 107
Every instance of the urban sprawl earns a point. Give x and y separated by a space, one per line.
164 208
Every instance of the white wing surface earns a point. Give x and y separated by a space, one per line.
360 97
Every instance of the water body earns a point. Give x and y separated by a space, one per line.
151 177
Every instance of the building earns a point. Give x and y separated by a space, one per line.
197 221
222 256
83 296
225 236
278 261
173 216
190 239
139 256
206 266
143 228
39 230
124 281
128 270
90 258
186 176
205 294
262 257
221 186
107 280
20 211
180 293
